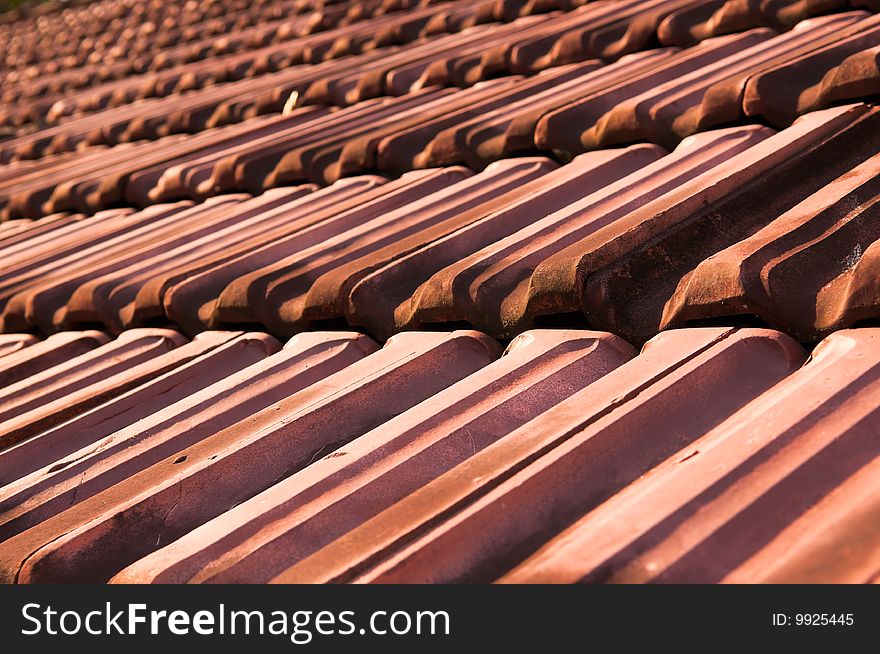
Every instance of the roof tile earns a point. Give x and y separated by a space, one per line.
295 517
573 456
17 367
533 169
190 297
48 397
294 430
814 151
748 501
209 358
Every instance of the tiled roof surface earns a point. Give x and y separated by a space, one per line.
714 454
259 262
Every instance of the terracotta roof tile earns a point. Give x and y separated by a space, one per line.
510 128
570 458
840 68
425 286
230 459
596 29
209 358
763 274
43 399
753 499
507 284
828 145
454 480
709 18
695 89
191 298
172 427
16 367
10 343
690 174
313 284
294 518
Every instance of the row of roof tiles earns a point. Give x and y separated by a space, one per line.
633 240
272 43
715 454
301 43
607 29
661 96
248 30
93 33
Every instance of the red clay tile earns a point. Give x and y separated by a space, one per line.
462 63
249 167
210 357
191 176
510 9
105 532
314 284
852 296
671 100
561 130
507 285
573 456
11 343
31 260
710 18
43 304
597 29
294 518
111 298
191 298
223 62
811 154
76 385
510 129
762 497
780 272
225 459
433 142
14 232
361 149
842 67
17 367
400 295
48 491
